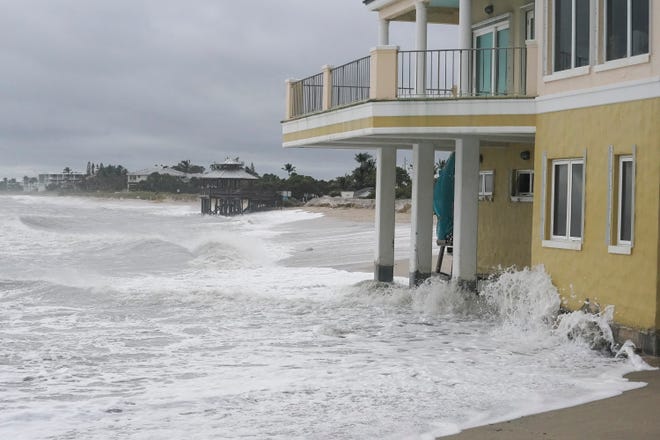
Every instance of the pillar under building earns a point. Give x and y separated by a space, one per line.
421 234
385 194
466 206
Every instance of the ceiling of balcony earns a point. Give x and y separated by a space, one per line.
439 11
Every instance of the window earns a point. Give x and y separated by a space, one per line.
626 205
626 28
571 28
567 198
529 24
522 185
486 184
492 59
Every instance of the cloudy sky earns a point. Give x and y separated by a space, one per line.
143 82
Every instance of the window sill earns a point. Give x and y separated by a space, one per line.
572 245
565 74
622 249
526 199
622 62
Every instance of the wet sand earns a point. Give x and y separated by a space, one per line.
631 415
634 414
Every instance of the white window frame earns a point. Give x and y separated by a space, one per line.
559 241
623 247
528 22
491 27
579 70
526 196
643 57
483 194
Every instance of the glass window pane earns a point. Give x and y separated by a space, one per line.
626 201
560 202
524 183
617 29
581 33
502 60
529 19
488 182
563 26
640 27
484 64
576 200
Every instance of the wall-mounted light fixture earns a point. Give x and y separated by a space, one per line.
525 155
489 9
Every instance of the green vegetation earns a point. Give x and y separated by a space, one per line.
107 180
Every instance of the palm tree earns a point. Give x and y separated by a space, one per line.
183 166
66 170
290 169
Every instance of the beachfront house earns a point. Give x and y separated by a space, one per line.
136 177
66 180
552 108
229 189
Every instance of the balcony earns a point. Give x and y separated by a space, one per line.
389 74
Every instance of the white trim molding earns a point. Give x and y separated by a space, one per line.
571 245
620 250
610 94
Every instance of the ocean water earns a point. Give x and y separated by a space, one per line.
141 320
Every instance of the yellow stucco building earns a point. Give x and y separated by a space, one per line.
552 108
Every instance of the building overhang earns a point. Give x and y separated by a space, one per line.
438 11
404 123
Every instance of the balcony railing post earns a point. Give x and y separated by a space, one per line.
288 112
327 87
383 72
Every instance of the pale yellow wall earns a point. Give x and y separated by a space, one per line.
505 227
594 77
630 282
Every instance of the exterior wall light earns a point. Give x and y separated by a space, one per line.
525 155
489 9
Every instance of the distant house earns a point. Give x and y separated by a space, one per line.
70 180
140 176
228 189
358 194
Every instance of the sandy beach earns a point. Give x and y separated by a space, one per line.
631 415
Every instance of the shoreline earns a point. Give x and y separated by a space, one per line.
631 414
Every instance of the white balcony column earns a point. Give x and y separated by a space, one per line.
466 196
465 42
385 187
383 32
421 22
421 234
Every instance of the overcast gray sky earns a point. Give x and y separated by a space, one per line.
140 82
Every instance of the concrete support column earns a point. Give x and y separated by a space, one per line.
421 234
421 22
383 32
385 186
466 196
465 42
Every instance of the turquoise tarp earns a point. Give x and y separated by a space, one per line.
443 201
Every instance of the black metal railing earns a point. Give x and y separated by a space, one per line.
307 95
350 82
450 73
453 73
